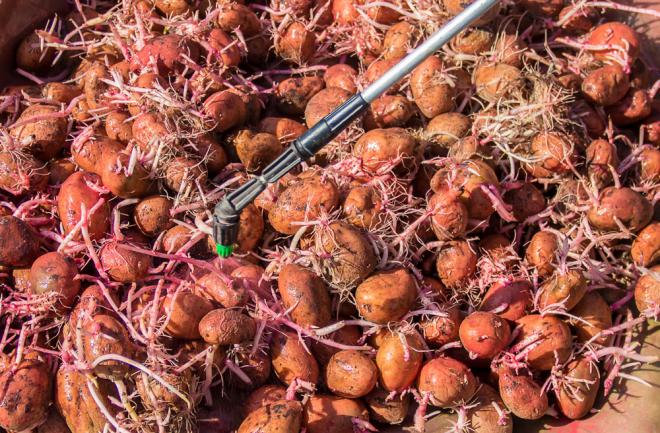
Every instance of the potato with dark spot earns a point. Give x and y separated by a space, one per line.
118 126
515 296
362 207
103 334
88 154
484 334
382 148
549 337
645 249
122 264
185 311
42 138
525 201
449 217
350 374
442 329
497 80
279 417
305 295
627 206
521 395
431 89
602 159
447 381
291 360
647 290
263 396
152 215
579 388
54 274
352 257
399 358
386 296
258 150
606 85
541 252
563 289
26 393
323 103
75 402
473 41
385 410
456 263
293 94
633 108
19 243
330 414
226 327
388 111
594 310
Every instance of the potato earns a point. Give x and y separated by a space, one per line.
473 41
349 335
43 137
122 182
152 215
515 295
455 7
386 296
484 417
305 296
30 55
293 94
440 330
431 89
223 48
211 153
226 327
456 263
509 49
88 155
649 165
351 374
342 76
183 172
447 381
388 111
291 360
53 274
631 208
286 130
21 174
617 35
227 109
20 243
521 395
601 158
381 149
60 92
212 286
263 396
496 80
118 127
323 103
165 52
376 70
330 414
185 310
399 39
155 396
634 107
95 87
578 390
564 289
103 334
444 130
148 130
234 15
570 81
647 290
279 417
484 334
301 201
296 43
541 252
593 309
387 411
525 201
362 207
645 249
172 7
449 216
26 394
21 280
250 230
542 8
399 359
178 236
190 348
351 255
257 150
553 153
606 85
122 264
550 338
257 367
76 404
344 12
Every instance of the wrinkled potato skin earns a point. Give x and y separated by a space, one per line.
118 128
577 407
630 207
386 296
567 288
348 335
473 41
484 418
447 380
228 295
306 291
353 258
186 312
362 207
606 86
26 394
258 150
152 215
226 327
291 361
450 215
595 310
631 109
19 177
439 331
279 417
296 44
554 335
389 111
395 372
386 411
55 273
522 396
516 295
456 263
541 252
484 334
645 249
350 374
19 244
330 414
647 290
525 201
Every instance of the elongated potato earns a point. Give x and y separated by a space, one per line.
548 337
565 289
351 255
305 295
579 388
399 359
521 395
291 360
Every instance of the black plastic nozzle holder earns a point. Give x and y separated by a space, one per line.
227 213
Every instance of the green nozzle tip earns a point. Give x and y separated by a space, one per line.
224 250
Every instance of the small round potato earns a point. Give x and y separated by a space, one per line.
386 296
351 374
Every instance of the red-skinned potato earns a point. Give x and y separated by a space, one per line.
166 52
381 148
496 80
386 410
606 85
26 393
541 252
76 193
342 76
20 175
596 312
291 360
431 90
388 111
521 395
350 374
224 48
447 381
579 388
440 330
323 103
280 417
185 311
399 358
305 296
42 137
618 36
552 340
124 265
263 396
122 182
515 296
352 257
449 216
152 215
647 290
456 263
386 296
484 334
227 109
631 208
296 43
645 249
303 200
226 327
562 289
330 414
20 244
53 274
293 94
286 130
